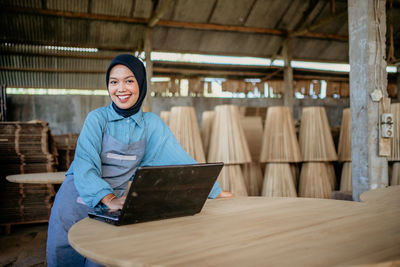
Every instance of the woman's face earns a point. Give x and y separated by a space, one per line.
123 87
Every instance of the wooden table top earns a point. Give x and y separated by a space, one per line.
250 231
388 196
37 178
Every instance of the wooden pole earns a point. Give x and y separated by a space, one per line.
288 75
148 47
368 79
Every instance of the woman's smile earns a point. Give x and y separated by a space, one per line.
123 98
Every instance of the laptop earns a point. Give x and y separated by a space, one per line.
161 192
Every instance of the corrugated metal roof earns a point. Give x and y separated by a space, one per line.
282 15
70 5
105 25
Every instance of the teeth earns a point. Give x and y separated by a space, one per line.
123 97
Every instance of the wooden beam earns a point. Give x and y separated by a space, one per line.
318 77
305 30
219 27
333 6
249 12
159 13
271 75
310 9
212 11
212 73
173 24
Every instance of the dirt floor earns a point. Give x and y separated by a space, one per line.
24 246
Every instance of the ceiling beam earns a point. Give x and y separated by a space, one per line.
312 6
175 24
271 75
302 31
157 15
212 11
249 12
305 30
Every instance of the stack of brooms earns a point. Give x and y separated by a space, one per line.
164 115
207 120
253 130
317 177
280 148
228 144
183 124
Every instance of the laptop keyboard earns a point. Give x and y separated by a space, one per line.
112 213
104 211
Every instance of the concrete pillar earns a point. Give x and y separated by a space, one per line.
367 29
148 47
288 74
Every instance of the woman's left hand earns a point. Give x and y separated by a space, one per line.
225 194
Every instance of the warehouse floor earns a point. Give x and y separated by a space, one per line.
24 246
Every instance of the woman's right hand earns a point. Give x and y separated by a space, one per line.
117 203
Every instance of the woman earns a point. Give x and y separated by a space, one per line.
114 141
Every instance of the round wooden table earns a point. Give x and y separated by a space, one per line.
253 231
37 178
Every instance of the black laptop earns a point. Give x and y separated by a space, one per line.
161 192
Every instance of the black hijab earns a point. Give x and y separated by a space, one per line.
138 69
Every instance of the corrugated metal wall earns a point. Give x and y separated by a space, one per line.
30 66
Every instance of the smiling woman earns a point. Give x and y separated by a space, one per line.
115 140
123 87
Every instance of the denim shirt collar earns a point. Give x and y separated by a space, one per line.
114 116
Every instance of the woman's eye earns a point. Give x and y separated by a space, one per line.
130 81
113 82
